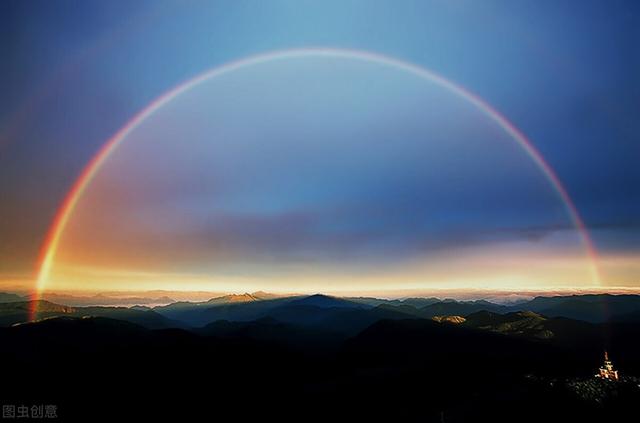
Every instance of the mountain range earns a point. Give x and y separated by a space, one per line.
322 356
346 315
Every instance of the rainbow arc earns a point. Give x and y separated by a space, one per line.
51 242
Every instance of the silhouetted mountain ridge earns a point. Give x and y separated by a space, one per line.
344 357
21 312
588 307
6 297
348 315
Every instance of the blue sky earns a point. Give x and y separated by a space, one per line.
565 73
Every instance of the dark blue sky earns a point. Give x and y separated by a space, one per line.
564 72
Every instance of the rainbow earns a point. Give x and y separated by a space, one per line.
52 240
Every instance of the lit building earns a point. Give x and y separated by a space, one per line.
607 371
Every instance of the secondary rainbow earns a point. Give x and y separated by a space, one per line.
65 211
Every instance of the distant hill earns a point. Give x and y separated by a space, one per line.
526 323
448 308
568 333
418 302
10 298
102 300
407 309
88 325
41 306
193 313
247 308
326 301
261 295
414 302
233 298
594 308
456 320
316 312
202 313
20 312
370 301
146 318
